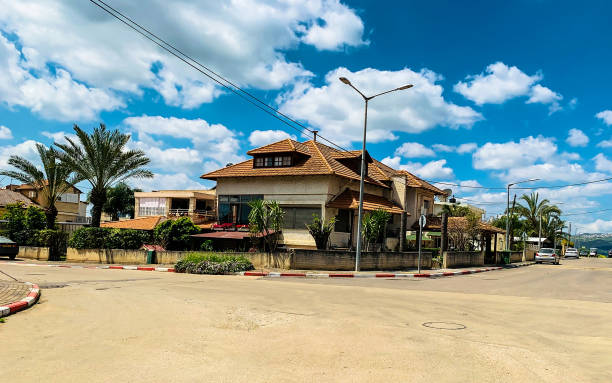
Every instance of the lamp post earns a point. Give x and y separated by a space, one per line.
363 163
508 210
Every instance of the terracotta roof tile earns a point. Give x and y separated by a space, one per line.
8 197
141 223
349 199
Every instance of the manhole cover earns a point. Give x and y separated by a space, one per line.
52 285
445 325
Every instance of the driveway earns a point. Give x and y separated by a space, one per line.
542 323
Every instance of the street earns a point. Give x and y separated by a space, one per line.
542 323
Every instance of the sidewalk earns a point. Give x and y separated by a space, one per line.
16 296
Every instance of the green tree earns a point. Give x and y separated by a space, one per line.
119 201
374 226
22 225
456 210
53 180
175 234
531 210
321 230
266 218
102 159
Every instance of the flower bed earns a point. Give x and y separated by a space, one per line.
211 263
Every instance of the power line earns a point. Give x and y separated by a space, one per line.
520 188
245 95
587 212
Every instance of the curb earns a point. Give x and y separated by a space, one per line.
378 275
140 268
22 304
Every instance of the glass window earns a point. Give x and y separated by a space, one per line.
268 161
287 161
343 221
278 161
298 217
259 161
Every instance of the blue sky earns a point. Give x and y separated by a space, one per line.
503 91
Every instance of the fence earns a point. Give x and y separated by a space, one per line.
345 260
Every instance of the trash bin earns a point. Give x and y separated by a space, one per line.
150 257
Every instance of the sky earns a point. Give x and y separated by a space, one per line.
503 91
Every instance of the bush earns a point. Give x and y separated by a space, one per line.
207 245
106 238
175 234
55 240
23 224
212 263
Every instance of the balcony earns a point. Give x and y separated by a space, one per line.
197 216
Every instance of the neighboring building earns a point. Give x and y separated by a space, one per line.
199 205
439 208
311 178
9 197
68 205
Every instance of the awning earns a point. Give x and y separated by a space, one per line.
349 199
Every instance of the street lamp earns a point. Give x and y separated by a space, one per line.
508 209
363 163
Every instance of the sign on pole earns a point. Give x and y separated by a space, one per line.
422 223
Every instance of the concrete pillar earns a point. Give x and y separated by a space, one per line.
402 233
444 233
136 205
192 204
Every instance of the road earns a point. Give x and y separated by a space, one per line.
542 323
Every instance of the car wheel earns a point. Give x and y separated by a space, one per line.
12 257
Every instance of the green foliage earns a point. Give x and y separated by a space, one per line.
212 263
102 159
373 227
266 217
106 238
119 201
175 234
55 240
456 210
207 245
321 230
23 224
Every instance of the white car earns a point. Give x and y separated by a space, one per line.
547 255
571 253
593 252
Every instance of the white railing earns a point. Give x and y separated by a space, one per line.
196 214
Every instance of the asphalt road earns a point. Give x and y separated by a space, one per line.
542 323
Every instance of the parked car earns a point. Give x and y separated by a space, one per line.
8 247
584 252
610 253
570 252
593 252
547 255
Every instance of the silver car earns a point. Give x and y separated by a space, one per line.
547 255
571 253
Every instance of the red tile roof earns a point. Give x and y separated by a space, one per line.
8 197
141 223
349 199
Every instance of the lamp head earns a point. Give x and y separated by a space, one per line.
405 87
345 80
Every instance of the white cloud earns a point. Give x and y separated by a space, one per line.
466 148
25 149
577 137
337 110
598 226
605 144
429 171
59 137
5 133
52 95
414 150
500 83
605 116
244 40
602 163
513 154
443 148
259 138
174 181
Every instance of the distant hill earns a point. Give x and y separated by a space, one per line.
602 241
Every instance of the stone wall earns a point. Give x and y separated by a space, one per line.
117 256
462 258
345 260
516 256
31 252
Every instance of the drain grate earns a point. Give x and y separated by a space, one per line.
445 325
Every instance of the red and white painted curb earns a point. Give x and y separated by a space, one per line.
22 304
113 267
374 275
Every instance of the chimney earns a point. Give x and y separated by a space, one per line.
315 132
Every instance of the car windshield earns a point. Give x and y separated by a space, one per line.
571 251
546 251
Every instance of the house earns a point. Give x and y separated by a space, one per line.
199 205
9 197
309 178
68 205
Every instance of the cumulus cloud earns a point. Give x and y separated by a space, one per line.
500 83
5 133
467 147
99 57
337 111
605 144
264 137
25 149
430 170
526 151
598 226
602 163
577 137
161 181
605 116
414 150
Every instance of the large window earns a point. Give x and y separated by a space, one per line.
151 207
235 208
343 221
272 161
298 217
69 197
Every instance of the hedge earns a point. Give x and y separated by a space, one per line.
107 238
211 263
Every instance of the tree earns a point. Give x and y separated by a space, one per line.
52 181
455 210
464 231
23 225
119 201
102 159
266 218
533 209
373 227
175 234
321 230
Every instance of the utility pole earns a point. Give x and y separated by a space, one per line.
363 160
540 233
508 208
570 234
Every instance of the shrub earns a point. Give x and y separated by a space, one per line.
106 238
212 263
175 234
321 230
207 245
23 224
55 240
89 238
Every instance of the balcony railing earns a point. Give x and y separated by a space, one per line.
195 215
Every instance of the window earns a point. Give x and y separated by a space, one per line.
298 217
272 161
343 221
151 207
235 208
69 197
32 194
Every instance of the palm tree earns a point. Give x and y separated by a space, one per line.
102 159
52 181
533 209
